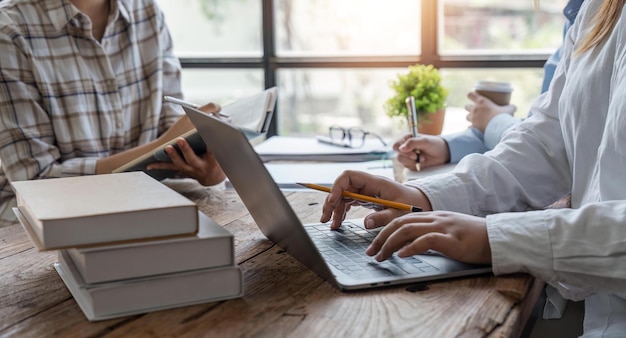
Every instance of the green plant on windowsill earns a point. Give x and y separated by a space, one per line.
423 82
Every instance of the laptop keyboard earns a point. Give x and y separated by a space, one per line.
344 249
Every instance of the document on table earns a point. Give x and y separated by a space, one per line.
286 175
285 148
430 171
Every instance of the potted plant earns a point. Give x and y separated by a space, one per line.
423 82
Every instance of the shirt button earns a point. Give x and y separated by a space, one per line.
119 124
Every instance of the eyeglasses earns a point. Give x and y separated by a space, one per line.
350 137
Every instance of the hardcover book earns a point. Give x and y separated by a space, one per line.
147 294
213 246
98 209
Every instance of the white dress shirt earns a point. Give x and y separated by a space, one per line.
575 141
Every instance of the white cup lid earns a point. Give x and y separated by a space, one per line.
494 86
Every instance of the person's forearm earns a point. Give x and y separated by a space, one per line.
108 164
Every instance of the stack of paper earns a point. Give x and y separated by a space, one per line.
128 243
310 149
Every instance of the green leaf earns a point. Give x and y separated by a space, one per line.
423 82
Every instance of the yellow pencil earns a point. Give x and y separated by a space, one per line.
365 198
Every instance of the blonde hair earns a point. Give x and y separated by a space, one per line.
604 22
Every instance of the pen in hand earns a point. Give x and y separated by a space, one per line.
410 106
365 198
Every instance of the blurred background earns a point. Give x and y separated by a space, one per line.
333 59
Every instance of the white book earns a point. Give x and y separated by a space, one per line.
98 209
141 295
213 246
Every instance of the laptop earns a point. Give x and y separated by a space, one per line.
336 256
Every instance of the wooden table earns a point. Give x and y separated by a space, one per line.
282 297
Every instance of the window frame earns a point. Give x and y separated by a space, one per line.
270 62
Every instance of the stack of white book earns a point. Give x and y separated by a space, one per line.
128 244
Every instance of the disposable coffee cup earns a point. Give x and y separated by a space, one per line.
498 92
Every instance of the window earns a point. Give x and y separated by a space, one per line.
347 27
333 60
215 31
214 28
220 85
500 27
313 99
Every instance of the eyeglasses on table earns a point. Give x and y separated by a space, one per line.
353 137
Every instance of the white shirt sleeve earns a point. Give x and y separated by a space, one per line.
559 247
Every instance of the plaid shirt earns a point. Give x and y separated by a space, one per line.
67 100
